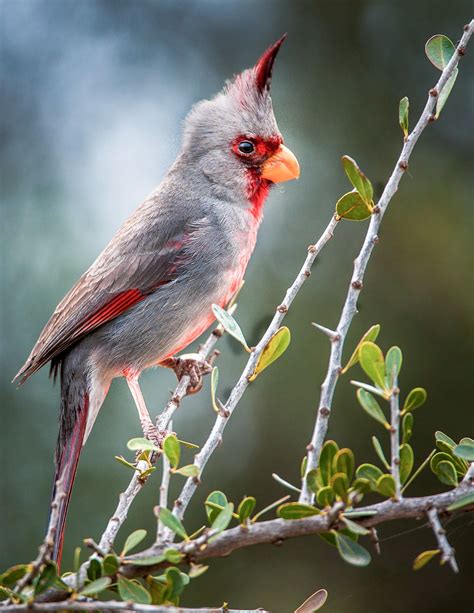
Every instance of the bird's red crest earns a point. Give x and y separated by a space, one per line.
264 66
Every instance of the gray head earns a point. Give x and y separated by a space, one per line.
234 138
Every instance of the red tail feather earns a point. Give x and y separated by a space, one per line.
66 466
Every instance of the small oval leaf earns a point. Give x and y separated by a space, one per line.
190 470
371 406
216 498
325 496
229 324
372 361
406 462
95 587
133 540
370 472
415 399
446 473
343 462
132 590
313 603
379 452
393 364
246 508
296 510
439 50
224 518
172 449
386 486
329 450
407 427
403 115
169 520
370 335
350 551
274 349
214 383
465 451
358 179
424 557
141 444
351 206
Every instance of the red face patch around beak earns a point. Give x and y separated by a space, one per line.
281 166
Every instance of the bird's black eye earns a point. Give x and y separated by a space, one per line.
246 147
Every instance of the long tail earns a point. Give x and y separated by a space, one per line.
73 414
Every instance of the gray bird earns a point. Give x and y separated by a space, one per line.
149 293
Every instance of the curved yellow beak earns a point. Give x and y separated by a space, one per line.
281 166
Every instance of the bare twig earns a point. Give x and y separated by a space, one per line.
440 534
165 482
360 264
215 436
116 605
395 436
46 548
125 501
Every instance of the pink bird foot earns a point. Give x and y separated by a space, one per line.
155 436
194 368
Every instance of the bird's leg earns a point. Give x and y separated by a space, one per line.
150 431
190 365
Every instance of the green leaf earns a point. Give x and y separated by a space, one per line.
313 603
95 587
49 578
363 486
358 179
424 557
328 451
94 570
393 364
190 470
173 556
370 335
224 518
373 363
147 560
217 498
379 452
465 500
350 551
407 427
172 522
370 472
415 399
354 526
351 206
406 462
403 115
132 590
303 465
196 570
446 473
214 383
440 437
246 508
371 406
313 479
274 349
296 510
439 50
444 93
14 574
123 461
465 451
111 564
229 324
362 513
343 462
386 486
443 456
172 449
330 537
325 496
141 444
340 485
133 540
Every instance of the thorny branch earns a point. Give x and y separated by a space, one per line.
277 530
215 436
360 264
46 548
440 534
116 605
395 436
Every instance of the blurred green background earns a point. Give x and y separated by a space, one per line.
92 101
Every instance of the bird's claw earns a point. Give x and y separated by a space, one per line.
155 436
192 367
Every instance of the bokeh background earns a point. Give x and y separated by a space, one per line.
93 95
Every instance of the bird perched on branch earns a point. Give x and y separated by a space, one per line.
149 293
